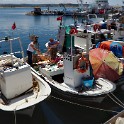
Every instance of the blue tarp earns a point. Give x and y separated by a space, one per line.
117 49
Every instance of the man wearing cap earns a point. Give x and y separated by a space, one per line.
32 48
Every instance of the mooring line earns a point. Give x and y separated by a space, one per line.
15 116
114 100
117 99
81 105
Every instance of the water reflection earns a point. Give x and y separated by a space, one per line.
55 111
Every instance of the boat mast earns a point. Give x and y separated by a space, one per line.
22 51
63 7
11 51
81 5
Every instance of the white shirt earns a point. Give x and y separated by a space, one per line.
30 48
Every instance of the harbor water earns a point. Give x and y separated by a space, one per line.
43 26
52 110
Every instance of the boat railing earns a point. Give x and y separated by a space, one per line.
90 16
10 40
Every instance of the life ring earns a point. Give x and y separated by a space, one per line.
73 31
83 64
96 26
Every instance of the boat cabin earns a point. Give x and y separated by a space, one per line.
37 11
73 46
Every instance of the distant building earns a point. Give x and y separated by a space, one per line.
102 4
94 7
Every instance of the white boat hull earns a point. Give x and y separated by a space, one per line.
92 95
20 88
117 119
96 94
28 99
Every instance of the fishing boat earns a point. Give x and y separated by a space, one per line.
20 87
72 78
116 119
93 18
87 20
38 11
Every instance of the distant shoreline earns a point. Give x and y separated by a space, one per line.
36 5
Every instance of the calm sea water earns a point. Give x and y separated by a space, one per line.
50 111
43 26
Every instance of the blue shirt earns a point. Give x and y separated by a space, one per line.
52 43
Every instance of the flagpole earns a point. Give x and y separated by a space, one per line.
13 28
60 19
12 34
61 23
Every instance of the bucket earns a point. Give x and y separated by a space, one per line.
88 81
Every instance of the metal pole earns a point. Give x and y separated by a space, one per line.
11 51
71 46
88 46
22 52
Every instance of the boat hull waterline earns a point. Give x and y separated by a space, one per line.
28 99
97 94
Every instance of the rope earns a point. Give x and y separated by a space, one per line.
36 87
90 107
15 115
115 101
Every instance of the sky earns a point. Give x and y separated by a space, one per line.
111 2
